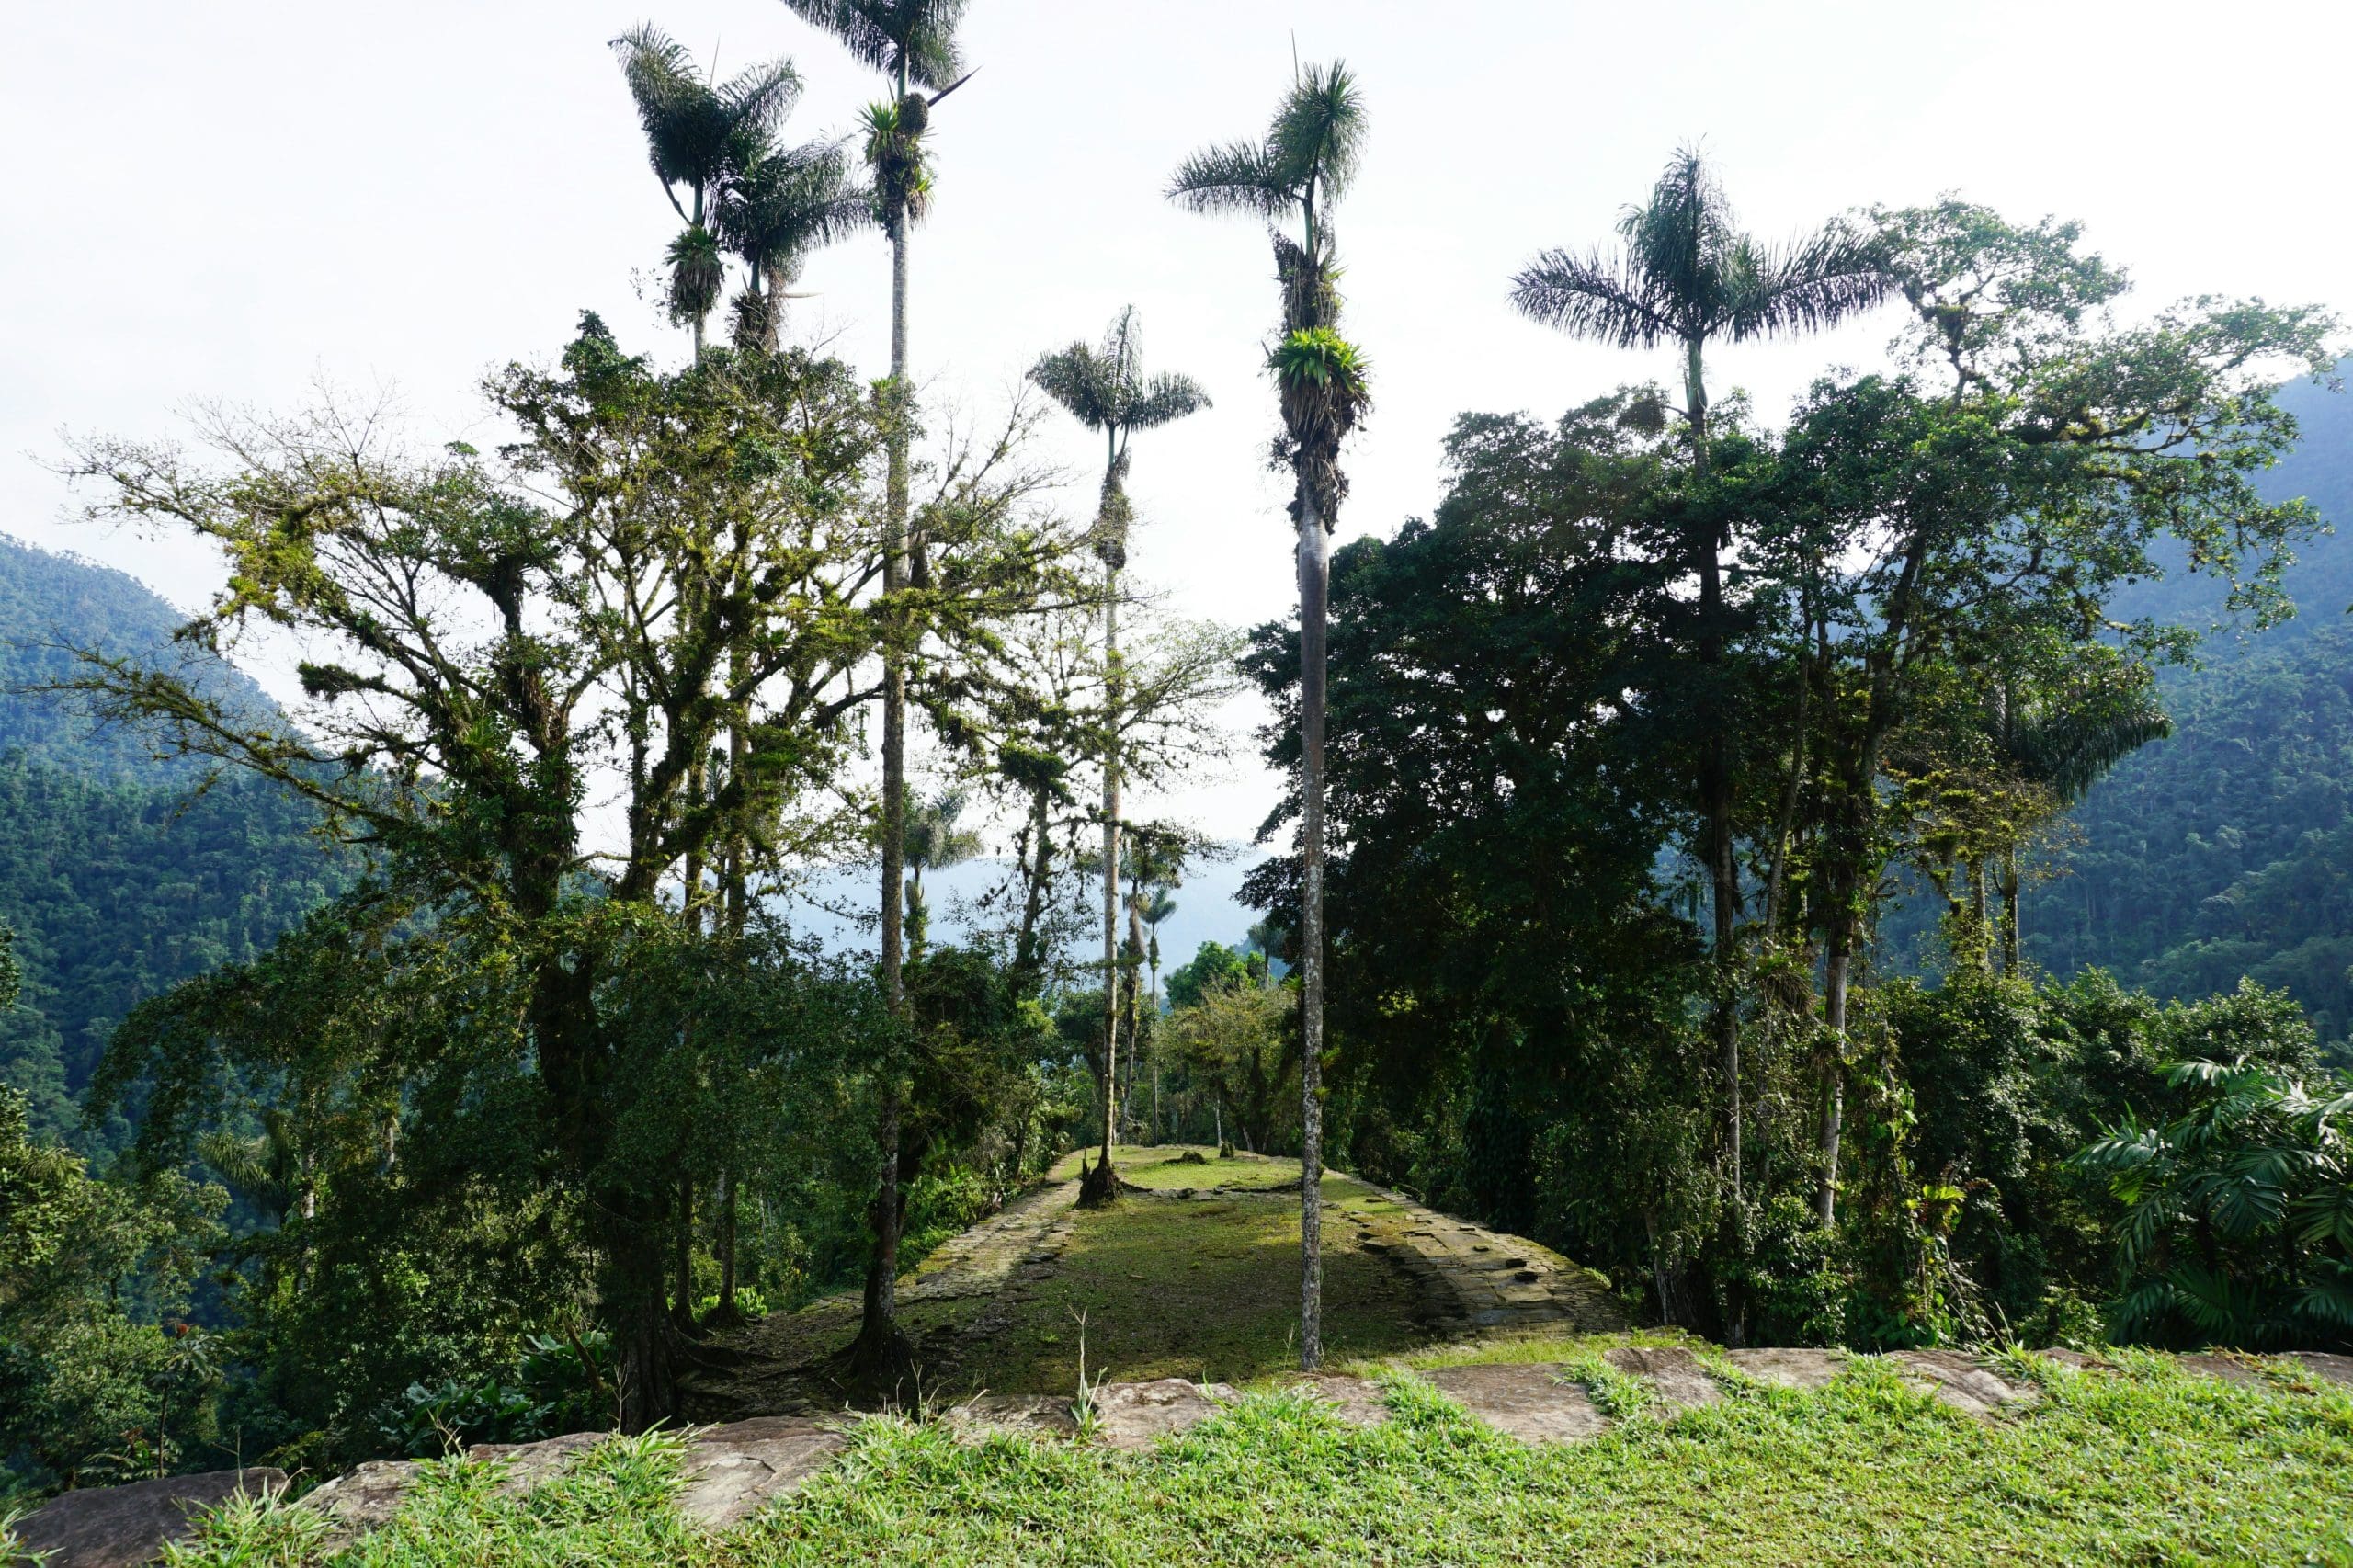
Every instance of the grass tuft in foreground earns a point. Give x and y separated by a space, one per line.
2147 1466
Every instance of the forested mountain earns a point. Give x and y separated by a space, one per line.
119 876
2227 849
51 604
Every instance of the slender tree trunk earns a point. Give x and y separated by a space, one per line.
1715 780
695 784
2010 909
726 1247
1784 830
1029 958
682 1305
879 1344
1105 1180
1837 967
1315 582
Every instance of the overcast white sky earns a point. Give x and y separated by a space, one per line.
235 199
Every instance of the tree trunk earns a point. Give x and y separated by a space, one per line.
2010 909
682 1300
1715 781
1104 1182
726 1247
1315 582
880 1346
1837 969
1030 960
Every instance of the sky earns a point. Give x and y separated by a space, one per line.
244 201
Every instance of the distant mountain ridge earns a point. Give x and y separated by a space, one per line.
53 603
2227 850
118 877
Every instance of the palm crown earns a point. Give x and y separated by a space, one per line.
1686 274
1106 388
694 129
777 204
1306 163
912 42
696 135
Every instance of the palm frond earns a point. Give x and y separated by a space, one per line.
1077 377
1814 284
759 98
1167 397
1237 177
787 201
1680 238
915 36
1594 297
684 120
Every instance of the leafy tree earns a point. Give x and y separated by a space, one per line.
1106 388
1688 275
1305 164
2009 505
101 1375
1213 964
1238 1041
466 765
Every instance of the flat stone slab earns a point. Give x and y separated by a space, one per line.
364 1500
1526 1401
1039 1416
1793 1369
1673 1374
1958 1379
2336 1368
731 1472
1133 1416
1356 1400
118 1527
2223 1365
528 1464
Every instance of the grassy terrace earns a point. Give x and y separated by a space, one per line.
1203 1287
2148 1466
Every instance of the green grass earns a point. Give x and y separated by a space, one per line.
1203 1286
1162 1167
2147 1467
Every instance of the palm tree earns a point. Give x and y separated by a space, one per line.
1303 165
913 42
1157 907
2064 742
1685 275
936 840
779 204
1106 388
694 132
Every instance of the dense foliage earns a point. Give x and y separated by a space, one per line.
1921 658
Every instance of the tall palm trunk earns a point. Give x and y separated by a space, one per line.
877 1338
1113 691
1028 949
1715 779
1315 582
